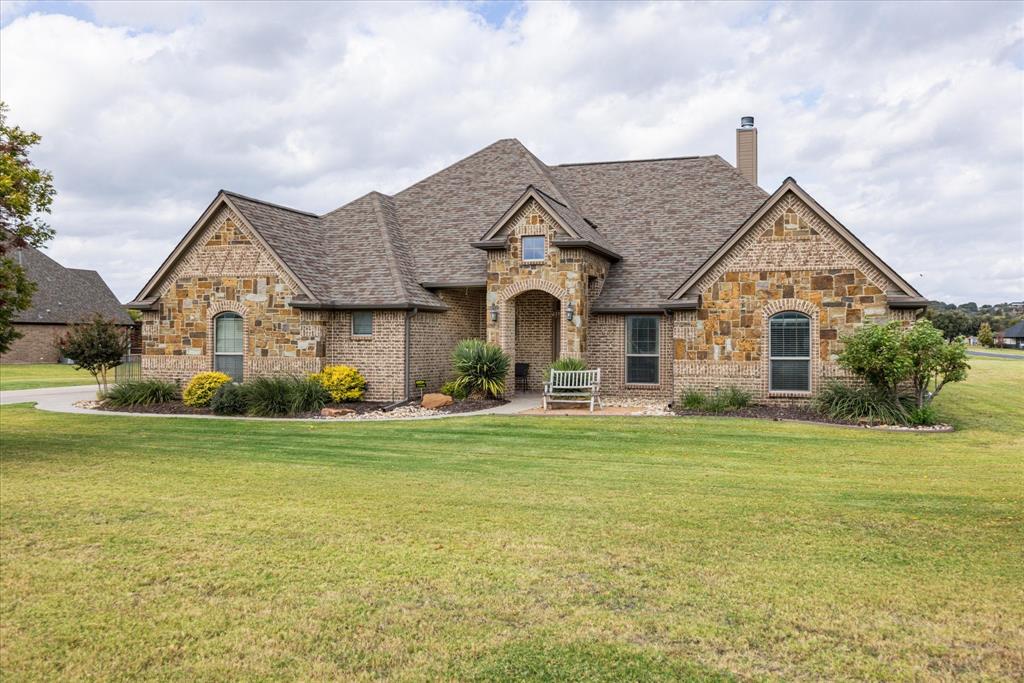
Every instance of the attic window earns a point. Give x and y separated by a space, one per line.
533 248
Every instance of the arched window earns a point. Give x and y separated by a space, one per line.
789 352
227 345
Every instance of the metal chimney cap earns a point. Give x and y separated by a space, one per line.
747 122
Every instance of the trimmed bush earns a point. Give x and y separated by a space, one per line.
268 396
200 389
307 396
230 399
481 367
344 383
449 388
842 402
566 363
143 392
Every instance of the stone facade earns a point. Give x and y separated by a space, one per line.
572 276
790 261
37 344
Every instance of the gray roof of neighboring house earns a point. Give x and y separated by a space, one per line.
65 295
1015 331
663 217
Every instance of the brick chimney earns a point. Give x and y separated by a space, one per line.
746 149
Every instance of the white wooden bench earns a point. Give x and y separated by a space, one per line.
573 386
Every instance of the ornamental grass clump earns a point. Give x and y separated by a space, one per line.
566 363
481 368
722 400
344 383
200 389
307 396
230 399
860 403
268 396
142 392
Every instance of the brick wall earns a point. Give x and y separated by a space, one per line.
535 313
434 335
380 357
36 345
607 350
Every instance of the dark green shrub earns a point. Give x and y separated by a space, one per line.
268 396
450 388
230 399
565 363
923 417
841 402
481 367
307 395
141 392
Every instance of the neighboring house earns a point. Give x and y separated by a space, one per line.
63 297
1013 336
665 273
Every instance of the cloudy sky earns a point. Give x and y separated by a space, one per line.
906 121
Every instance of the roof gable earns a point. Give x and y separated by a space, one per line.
789 195
65 295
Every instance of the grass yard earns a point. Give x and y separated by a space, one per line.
41 375
515 548
1001 351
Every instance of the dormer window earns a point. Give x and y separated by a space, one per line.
533 248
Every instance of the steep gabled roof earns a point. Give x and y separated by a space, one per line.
1014 331
65 295
789 185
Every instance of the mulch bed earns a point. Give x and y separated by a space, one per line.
178 408
767 413
470 404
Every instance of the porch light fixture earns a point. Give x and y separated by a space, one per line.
494 313
570 311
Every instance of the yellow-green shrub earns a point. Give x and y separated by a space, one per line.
342 382
202 387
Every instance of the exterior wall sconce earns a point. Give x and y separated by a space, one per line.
494 313
570 311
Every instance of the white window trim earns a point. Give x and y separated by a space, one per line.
772 358
352 325
656 354
543 249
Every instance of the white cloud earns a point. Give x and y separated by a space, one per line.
904 120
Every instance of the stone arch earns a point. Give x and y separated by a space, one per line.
216 308
516 288
813 312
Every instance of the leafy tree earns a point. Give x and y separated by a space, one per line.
25 192
97 346
985 335
952 323
890 356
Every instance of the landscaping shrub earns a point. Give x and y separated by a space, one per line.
344 383
720 401
307 396
566 363
481 367
141 392
841 402
923 417
230 399
268 396
200 389
450 388
97 346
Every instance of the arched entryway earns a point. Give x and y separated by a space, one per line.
537 333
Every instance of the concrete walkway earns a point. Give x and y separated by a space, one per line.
63 399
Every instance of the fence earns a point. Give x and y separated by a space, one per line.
129 369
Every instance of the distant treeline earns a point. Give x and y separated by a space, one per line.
965 319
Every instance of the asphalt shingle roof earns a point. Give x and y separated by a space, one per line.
65 295
664 217
1015 331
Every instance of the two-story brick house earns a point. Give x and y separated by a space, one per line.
665 273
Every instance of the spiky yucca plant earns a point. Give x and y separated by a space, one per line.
480 367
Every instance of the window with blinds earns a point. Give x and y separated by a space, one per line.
227 345
789 352
362 323
642 349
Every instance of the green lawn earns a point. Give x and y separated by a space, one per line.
1001 351
510 548
39 375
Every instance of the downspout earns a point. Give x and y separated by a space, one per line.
408 352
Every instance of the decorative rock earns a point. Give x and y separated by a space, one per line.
336 412
435 401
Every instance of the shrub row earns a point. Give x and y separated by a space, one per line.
722 400
868 403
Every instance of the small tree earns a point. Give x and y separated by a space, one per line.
890 356
96 346
985 335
